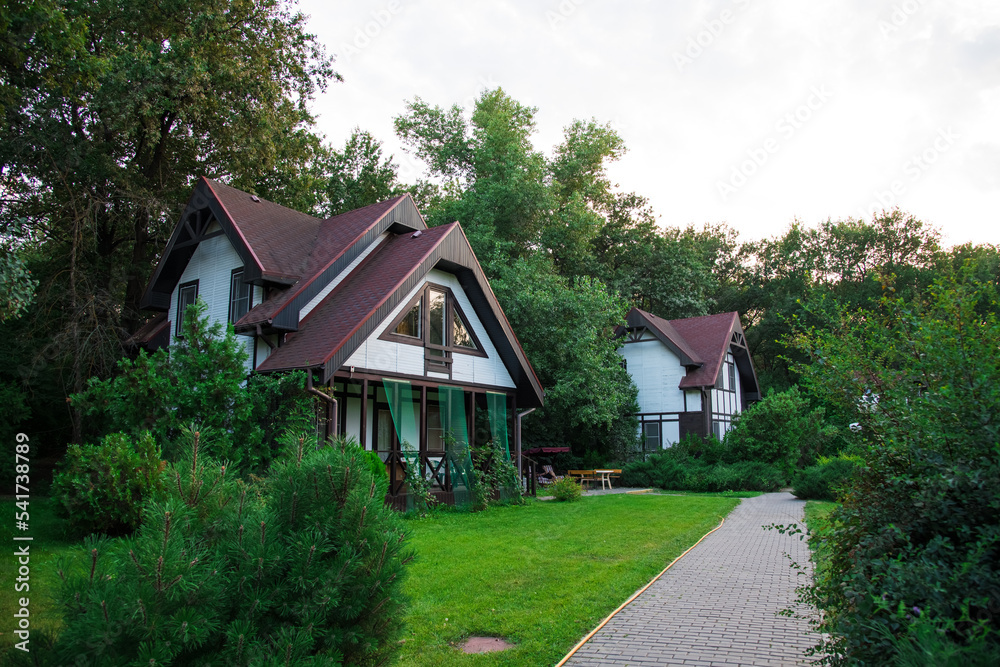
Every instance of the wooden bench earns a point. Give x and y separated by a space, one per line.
582 476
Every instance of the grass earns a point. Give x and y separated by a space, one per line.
48 545
541 576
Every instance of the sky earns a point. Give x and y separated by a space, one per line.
755 113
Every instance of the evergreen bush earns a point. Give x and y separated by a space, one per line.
302 567
823 480
101 488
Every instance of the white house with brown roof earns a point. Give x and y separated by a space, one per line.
694 375
396 319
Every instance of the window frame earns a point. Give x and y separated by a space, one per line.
178 326
451 306
232 301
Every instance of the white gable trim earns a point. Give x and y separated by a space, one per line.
315 301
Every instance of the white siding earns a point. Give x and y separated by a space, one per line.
212 265
657 373
398 358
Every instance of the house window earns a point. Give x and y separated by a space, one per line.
187 294
732 375
239 296
410 324
651 435
435 321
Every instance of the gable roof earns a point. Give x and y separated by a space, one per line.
299 257
701 344
278 245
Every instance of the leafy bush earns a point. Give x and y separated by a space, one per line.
303 567
662 470
781 430
101 488
913 546
821 481
566 490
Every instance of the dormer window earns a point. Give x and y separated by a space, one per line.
410 324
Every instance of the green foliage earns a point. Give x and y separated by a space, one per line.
914 543
110 112
101 488
781 430
200 384
494 478
359 175
304 567
418 486
565 490
17 287
678 470
823 480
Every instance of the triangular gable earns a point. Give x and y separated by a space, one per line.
712 336
667 334
267 237
363 302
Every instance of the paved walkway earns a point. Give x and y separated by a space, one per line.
718 606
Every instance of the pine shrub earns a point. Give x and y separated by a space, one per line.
302 567
101 488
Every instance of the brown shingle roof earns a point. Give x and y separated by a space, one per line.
329 326
709 336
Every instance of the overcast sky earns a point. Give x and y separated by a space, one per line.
749 112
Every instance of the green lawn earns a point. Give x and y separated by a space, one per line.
541 576
48 545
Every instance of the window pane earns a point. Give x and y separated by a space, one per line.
185 298
459 333
239 297
410 325
437 313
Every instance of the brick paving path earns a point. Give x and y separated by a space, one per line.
718 605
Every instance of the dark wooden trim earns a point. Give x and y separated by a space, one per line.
179 314
416 380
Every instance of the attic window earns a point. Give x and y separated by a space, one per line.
410 324
435 320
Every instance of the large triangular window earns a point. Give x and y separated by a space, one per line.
434 320
460 335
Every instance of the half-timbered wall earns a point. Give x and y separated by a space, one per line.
212 265
394 358
657 373
726 395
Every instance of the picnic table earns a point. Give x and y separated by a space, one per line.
605 475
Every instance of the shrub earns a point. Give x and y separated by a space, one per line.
566 490
743 476
678 469
912 550
101 488
823 480
201 382
780 430
662 470
303 567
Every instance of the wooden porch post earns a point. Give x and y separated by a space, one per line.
363 431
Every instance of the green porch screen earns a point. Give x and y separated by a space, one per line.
453 421
402 407
497 404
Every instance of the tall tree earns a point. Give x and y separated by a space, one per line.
111 109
